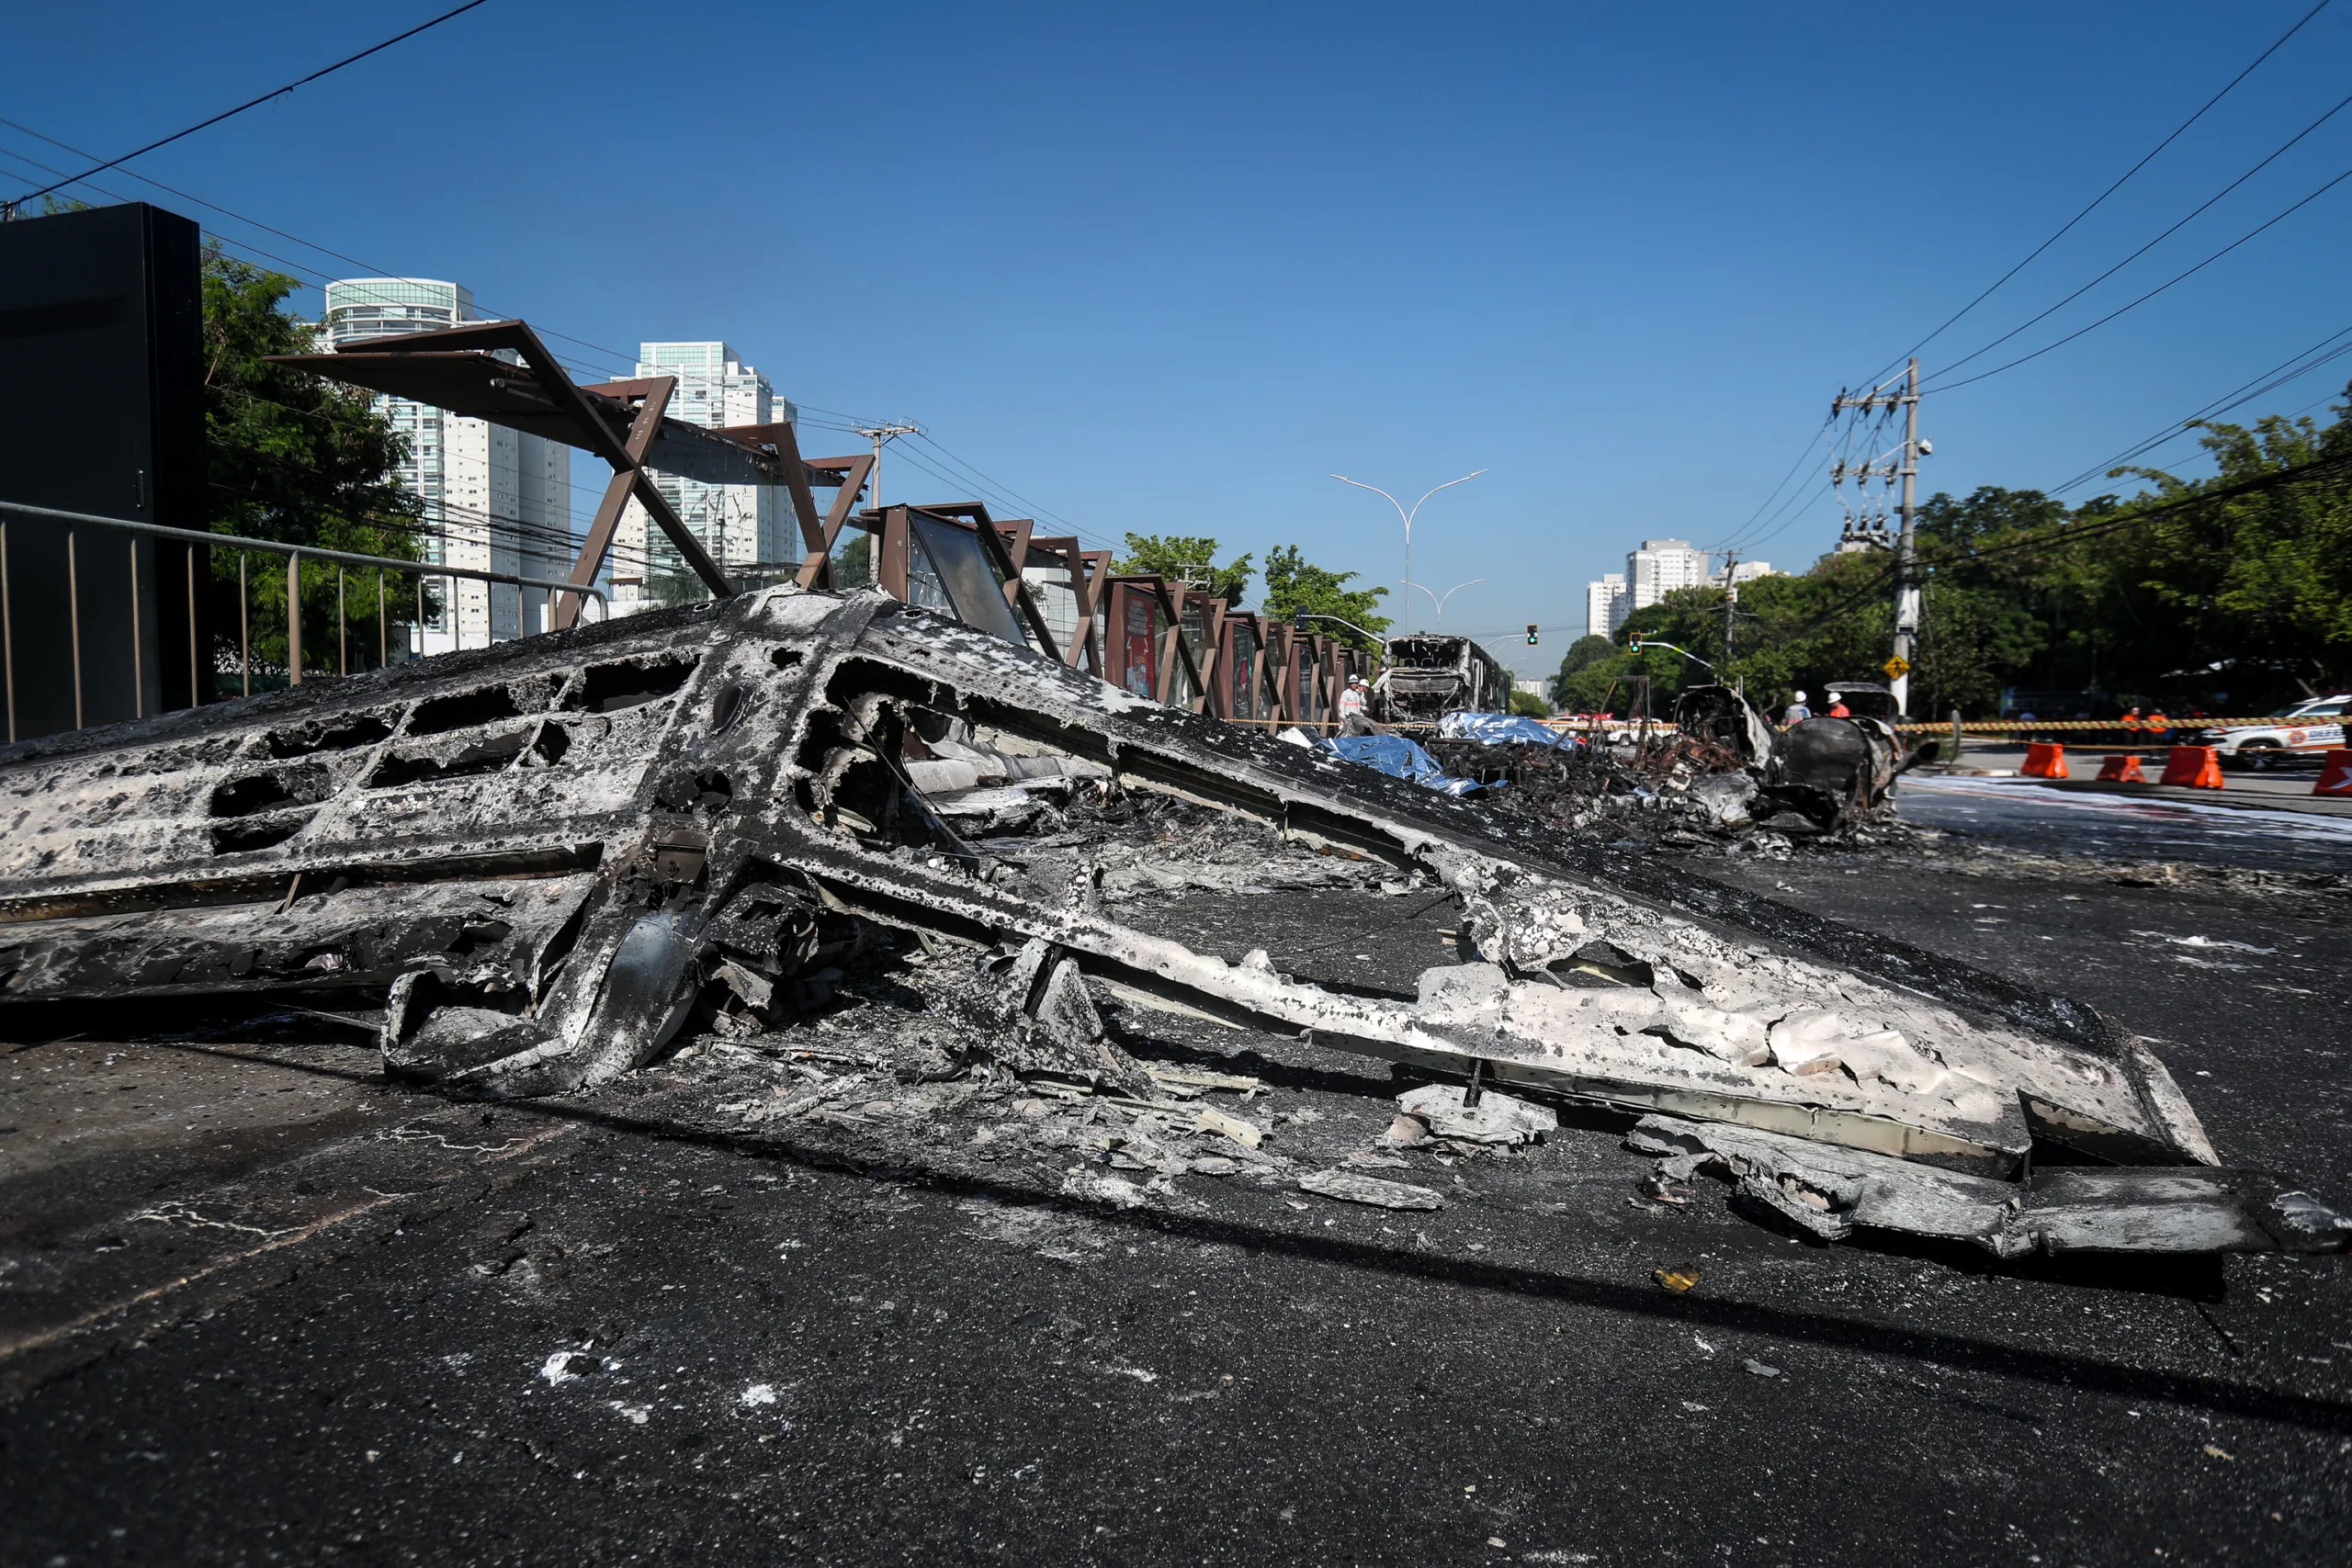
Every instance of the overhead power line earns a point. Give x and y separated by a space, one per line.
2292 369
1806 452
2073 533
2177 278
10 208
2065 227
2152 245
314 278
310 276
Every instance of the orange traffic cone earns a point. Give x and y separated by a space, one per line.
2334 774
2121 767
2044 760
2198 767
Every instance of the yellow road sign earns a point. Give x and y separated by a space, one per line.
1896 668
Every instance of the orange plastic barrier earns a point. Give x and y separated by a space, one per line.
2044 760
2121 767
2334 774
2198 767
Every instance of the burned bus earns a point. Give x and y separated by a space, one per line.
1425 678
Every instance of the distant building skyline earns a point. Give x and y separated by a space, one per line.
1605 606
495 499
737 524
1659 567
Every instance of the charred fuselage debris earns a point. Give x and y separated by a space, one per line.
1722 772
550 858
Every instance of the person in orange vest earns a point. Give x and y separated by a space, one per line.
1838 708
2156 725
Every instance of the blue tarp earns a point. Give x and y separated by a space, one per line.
1398 758
1502 729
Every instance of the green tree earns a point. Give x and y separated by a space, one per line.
853 562
1186 555
670 587
1586 651
299 459
2251 595
1984 619
1613 683
1527 704
1294 587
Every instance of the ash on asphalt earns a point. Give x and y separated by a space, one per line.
2027 817
630 1325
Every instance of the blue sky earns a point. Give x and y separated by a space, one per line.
1166 269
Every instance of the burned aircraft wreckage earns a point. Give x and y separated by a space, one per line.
547 859
1820 773
1721 772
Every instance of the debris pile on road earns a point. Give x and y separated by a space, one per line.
554 859
1719 773
1681 793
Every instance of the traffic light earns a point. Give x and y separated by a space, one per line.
1635 643
1530 633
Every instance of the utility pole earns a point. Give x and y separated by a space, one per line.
1731 602
1906 467
1906 559
880 434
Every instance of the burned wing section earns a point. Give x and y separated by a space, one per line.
551 859
446 830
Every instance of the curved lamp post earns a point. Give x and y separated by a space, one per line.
1440 600
1407 518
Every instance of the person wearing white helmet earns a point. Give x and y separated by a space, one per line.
1355 703
1797 711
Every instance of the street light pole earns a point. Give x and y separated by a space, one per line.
1368 636
1407 518
1439 600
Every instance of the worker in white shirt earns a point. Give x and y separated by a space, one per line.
1355 703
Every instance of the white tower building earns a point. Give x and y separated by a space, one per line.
737 524
1660 566
496 500
1605 604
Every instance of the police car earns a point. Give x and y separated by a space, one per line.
2304 729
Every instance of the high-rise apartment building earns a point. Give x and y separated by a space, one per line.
738 525
1660 566
496 500
1652 572
1606 604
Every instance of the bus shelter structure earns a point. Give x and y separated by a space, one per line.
1164 640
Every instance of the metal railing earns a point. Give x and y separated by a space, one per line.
342 561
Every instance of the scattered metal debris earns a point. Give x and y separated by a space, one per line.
1349 1187
1828 1192
552 859
1490 1119
1721 772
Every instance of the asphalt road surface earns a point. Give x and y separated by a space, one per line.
2026 816
258 1305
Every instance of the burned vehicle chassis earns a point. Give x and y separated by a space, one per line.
550 857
